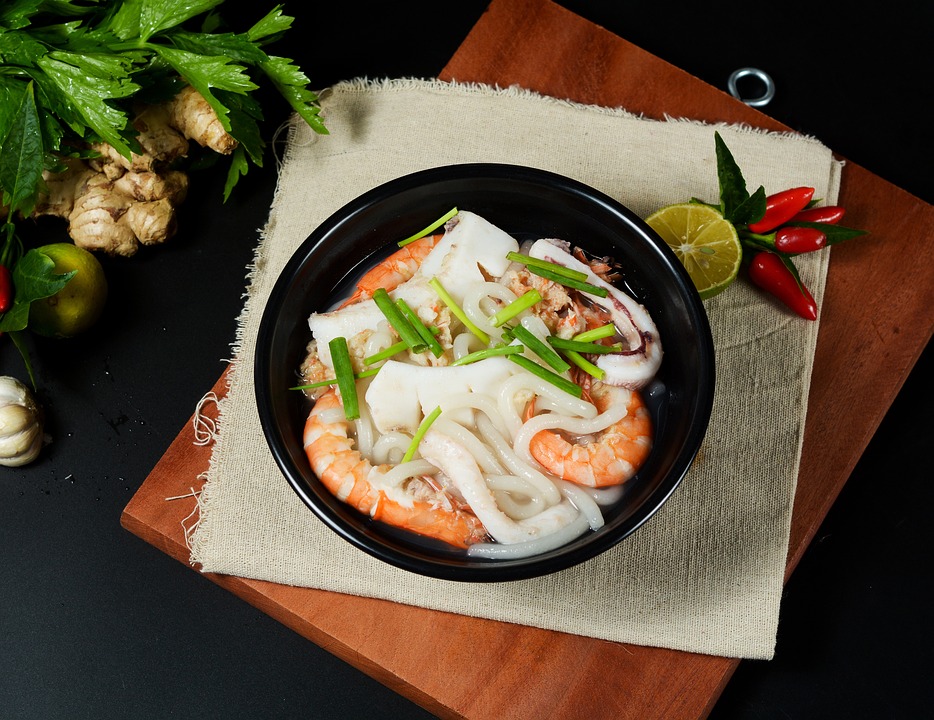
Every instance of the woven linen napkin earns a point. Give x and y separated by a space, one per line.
705 574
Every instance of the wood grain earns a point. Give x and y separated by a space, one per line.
871 335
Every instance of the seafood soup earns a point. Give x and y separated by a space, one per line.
483 394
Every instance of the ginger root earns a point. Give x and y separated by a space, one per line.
114 204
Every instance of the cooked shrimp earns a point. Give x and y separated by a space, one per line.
415 505
394 270
610 457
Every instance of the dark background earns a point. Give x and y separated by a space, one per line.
95 623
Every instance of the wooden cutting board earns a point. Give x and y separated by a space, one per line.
543 47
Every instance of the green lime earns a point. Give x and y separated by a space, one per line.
705 243
78 305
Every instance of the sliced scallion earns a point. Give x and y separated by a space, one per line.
346 383
386 353
457 310
333 381
527 300
531 262
434 226
488 353
591 348
420 433
537 346
570 282
423 332
402 326
585 364
547 375
597 333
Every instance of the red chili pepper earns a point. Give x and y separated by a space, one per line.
831 214
781 207
769 272
6 289
791 239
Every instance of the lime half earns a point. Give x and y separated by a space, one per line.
705 243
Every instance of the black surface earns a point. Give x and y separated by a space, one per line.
95 623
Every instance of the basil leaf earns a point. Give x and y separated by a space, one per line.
751 209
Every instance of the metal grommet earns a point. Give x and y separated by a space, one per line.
763 99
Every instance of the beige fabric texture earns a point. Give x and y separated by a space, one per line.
705 574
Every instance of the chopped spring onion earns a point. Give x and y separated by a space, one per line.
333 381
531 262
597 333
346 382
386 353
591 348
528 299
394 349
570 282
434 226
548 376
423 332
420 433
458 312
585 364
402 326
537 346
487 353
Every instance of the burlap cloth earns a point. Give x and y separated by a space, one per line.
705 574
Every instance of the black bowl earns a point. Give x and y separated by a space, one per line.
528 204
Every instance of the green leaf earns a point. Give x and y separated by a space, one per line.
92 94
34 278
21 157
238 168
20 48
18 14
238 48
733 191
274 24
292 83
750 210
834 233
245 114
156 16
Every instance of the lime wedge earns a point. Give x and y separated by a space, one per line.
705 243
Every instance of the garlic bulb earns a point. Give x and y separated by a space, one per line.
20 424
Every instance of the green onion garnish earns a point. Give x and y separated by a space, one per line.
423 332
436 224
333 381
402 326
487 353
547 375
533 343
547 265
420 433
343 370
585 364
570 282
458 312
528 299
583 347
386 353
597 333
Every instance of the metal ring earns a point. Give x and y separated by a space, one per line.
763 99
